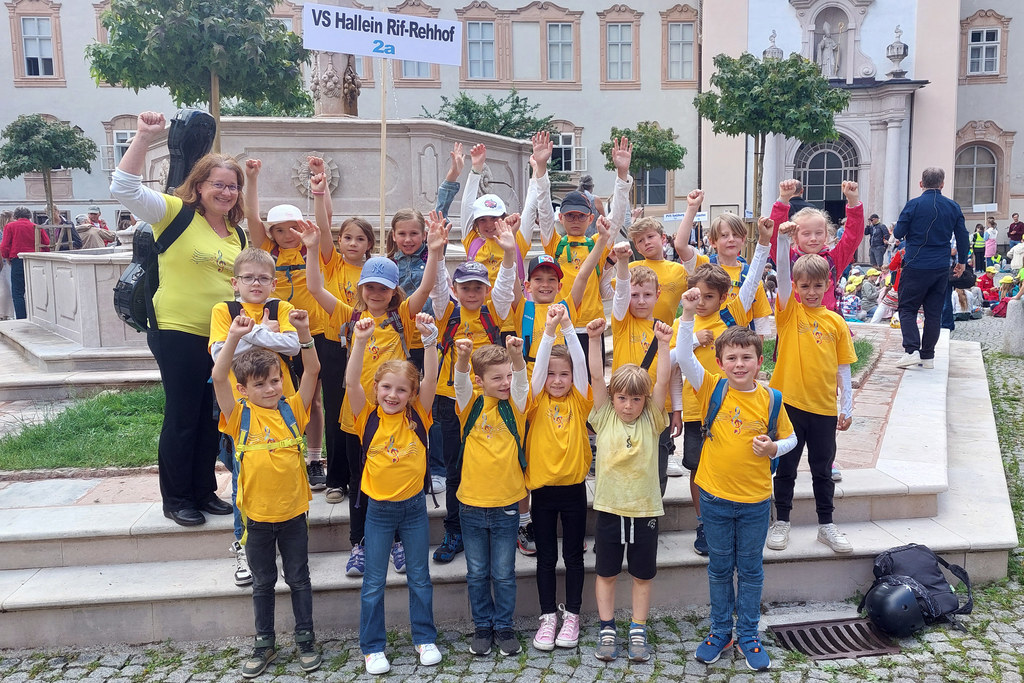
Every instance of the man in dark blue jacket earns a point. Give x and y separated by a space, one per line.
927 223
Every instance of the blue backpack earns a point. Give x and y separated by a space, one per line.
743 271
715 405
529 314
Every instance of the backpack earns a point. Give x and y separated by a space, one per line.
242 446
366 439
393 319
529 313
743 271
491 329
715 405
917 567
287 270
134 291
235 308
508 416
563 244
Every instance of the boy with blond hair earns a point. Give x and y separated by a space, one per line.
815 353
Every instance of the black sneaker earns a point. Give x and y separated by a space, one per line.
482 639
309 658
508 642
263 654
316 474
526 541
449 548
700 544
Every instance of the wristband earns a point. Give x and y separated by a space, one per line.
307 345
431 338
314 192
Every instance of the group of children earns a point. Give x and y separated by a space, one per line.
500 384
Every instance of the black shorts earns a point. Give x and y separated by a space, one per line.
637 537
693 442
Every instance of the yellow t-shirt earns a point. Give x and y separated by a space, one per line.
673 282
396 460
557 448
572 257
220 321
491 474
340 279
490 253
813 343
631 338
195 273
291 284
384 344
626 482
706 354
760 308
470 327
272 484
728 467
514 323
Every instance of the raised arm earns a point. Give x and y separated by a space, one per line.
691 368
853 234
310 361
478 156
663 336
620 300
539 191
595 329
257 231
748 290
449 187
579 285
547 340
126 182
221 373
428 386
783 264
322 208
437 239
520 389
463 383
780 212
354 391
310 235
682 241
622 156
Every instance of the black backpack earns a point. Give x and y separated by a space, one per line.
917 567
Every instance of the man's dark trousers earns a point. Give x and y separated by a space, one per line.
917 287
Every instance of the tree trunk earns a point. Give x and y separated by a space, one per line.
759 141
51 208
215 108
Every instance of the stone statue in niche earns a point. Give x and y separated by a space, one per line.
828 53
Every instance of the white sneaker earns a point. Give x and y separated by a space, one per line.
429 654
377 663
927 363
438 482
909 360
675 468
778 536
830 535
837 474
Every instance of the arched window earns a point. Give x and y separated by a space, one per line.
822 167
974 179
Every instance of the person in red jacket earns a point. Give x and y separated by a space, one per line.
20 238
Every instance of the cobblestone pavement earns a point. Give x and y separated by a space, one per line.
988 649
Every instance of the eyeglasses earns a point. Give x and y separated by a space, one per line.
575 216
262 279
219 186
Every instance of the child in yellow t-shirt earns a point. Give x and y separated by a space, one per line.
815 353
648 236
637 291
628 416
734 478
558 458
492 416
273 490
716 313
392 423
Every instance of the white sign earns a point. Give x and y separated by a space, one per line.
748 214
702 217
982 208
379 34
673 217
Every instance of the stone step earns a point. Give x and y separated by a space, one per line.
49 352
78 535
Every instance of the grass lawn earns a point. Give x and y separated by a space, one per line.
861 346
116 429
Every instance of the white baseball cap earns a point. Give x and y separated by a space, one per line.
488 205
282 213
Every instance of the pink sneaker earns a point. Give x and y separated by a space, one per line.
545 638
569 634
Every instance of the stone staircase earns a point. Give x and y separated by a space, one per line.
88 574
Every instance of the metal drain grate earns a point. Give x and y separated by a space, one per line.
834 639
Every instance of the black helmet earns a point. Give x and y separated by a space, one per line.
894 610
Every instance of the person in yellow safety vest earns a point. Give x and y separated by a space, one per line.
978 246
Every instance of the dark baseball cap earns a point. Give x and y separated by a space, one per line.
544 261
471 271
874 215
576 201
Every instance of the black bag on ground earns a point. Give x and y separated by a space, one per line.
915 567
966 280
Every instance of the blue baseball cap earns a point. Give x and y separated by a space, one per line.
471 271
381 270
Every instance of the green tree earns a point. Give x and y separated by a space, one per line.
35 145
653 147
201 50
303 110
512 116
782 96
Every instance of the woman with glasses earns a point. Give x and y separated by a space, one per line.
195 273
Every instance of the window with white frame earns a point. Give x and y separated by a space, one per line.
983 51
480 48
974 178
412 69
286 21
562 154
37 41
620 52
560 52
122 139
680 51
653 187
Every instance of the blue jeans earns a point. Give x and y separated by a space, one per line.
18 287
292 539
409 518
226 455
736 533
489 535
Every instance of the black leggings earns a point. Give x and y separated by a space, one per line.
818 432
333 358
187 452
547 504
